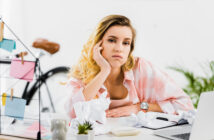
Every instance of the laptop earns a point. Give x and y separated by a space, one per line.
203 126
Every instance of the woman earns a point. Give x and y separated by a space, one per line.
133 84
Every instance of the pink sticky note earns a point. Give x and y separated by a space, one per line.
32 130
22 71
35 127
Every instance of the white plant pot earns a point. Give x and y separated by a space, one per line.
89 136
82 137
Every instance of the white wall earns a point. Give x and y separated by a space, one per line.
168 31
12 14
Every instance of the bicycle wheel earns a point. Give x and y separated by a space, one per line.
49 86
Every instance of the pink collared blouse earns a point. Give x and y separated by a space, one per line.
144 83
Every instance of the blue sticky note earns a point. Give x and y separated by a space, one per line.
8 45
15 108
48 137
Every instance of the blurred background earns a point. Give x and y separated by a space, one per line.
169 32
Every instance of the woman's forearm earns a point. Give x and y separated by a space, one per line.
129 109
154 107
94 85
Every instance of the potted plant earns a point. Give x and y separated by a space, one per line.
85 131
197 84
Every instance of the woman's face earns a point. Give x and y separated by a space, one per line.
116 45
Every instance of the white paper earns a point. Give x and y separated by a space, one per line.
93 110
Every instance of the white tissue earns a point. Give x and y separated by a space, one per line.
141 119
147 119
188 115
132 120
101 129
92 111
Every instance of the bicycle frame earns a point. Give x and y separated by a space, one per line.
28 94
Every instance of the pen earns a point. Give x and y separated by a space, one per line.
162 118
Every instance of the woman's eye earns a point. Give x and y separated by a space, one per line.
126 43
111 40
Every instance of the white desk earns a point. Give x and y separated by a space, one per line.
145 134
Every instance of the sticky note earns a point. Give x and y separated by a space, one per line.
8 45
15 108
47 137
35 127
32 130
4 95
22 71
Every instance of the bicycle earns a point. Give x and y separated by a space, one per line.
31 88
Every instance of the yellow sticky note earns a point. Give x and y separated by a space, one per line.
4 95
1 30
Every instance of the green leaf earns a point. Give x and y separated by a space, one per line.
197 84
83 128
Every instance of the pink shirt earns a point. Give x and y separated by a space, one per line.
144 83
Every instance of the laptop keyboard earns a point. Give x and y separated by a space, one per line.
184 136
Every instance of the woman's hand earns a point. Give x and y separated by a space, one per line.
123 111
100 60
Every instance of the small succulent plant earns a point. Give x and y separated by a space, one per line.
83 128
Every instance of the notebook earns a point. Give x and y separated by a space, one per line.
156 120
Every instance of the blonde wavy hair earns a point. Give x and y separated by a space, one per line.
86 69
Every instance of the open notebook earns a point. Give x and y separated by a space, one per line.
155 120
